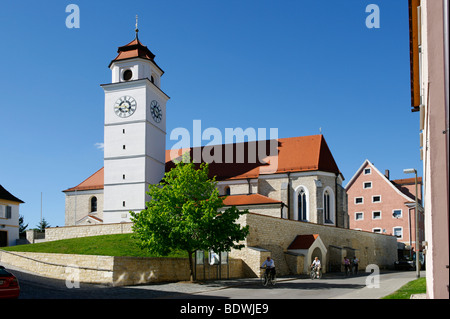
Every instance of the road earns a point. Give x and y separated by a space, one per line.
331 286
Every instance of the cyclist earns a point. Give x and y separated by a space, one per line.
316 264
269 264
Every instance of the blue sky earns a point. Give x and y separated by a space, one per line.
293 65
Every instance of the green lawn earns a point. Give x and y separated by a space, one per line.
417 286
105 245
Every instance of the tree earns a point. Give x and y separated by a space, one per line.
43 224
183 214
22 226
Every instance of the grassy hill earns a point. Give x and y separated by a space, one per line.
105 245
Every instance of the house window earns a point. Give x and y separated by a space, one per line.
376 199
359 200
397 213
398 232
376 215
376 230
301 206
367 171
93 204
359 216
367 185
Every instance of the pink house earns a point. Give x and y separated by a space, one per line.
378 204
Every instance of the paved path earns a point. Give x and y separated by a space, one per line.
333 286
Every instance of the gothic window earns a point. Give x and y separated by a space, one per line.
302 214
326 206
301 204
93 204
329 206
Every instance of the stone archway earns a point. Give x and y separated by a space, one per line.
317 252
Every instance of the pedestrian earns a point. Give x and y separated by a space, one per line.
346 265
355 265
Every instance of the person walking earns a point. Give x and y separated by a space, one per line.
355 265
346 266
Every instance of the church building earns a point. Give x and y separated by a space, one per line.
305 186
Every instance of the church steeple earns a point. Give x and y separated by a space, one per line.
135 61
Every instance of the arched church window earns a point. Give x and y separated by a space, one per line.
93 204
326 207
227 191
302 202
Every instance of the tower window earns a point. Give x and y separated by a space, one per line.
124 147
152 79
127 75
227 191
123 203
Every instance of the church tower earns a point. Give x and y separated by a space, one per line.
135 131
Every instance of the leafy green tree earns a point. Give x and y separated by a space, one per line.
184 214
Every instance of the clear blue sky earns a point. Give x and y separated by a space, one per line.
293 65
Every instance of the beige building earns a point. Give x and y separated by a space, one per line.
429 34
9 218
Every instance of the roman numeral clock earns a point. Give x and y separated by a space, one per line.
134 132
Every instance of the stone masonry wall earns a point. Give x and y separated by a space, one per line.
116 271
275 235
58 233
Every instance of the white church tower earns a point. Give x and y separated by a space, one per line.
135 131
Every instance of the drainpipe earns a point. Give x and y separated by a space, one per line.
289 196
335 200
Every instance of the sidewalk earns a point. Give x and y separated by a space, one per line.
389 283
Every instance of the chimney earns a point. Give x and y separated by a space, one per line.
386 173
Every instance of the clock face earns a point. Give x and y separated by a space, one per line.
156 111
125 106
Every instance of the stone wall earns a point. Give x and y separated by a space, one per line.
275 235
58 233
116 271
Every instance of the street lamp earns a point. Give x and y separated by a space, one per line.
414 171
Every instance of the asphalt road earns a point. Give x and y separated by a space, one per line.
330 286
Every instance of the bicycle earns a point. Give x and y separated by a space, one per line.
315 274
266 279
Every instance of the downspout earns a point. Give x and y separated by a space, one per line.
289 196
335 200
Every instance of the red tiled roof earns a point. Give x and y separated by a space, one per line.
295 154
407 181
134 49
250 199
95 181
303 241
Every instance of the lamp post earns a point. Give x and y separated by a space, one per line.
414 171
